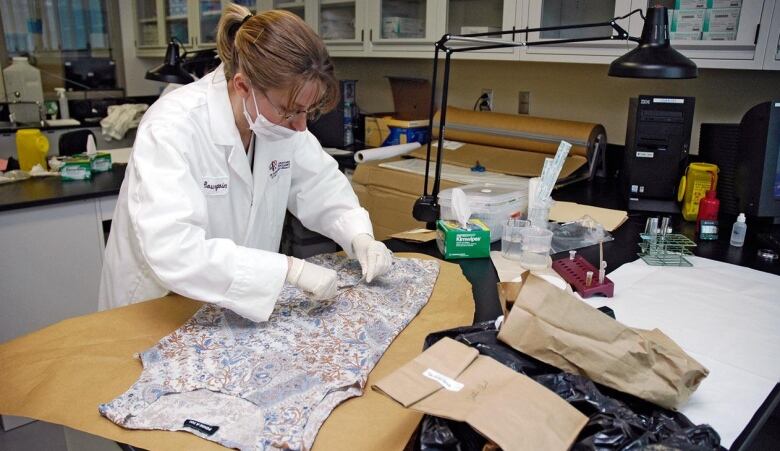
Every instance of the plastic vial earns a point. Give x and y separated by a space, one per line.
738 231
63 101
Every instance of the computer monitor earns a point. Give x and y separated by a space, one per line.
90 73
748 156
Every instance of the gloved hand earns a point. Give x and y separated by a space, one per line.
319 281
374 257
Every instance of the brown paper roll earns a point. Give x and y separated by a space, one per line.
512 131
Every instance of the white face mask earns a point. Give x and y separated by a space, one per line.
263 127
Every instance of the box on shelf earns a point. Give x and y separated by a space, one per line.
690 4
457 242
402 27
467 29
409 122
685 35
724 3
687 20
719 35
721 19
492 204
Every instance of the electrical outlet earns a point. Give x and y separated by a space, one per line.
524 103
489 102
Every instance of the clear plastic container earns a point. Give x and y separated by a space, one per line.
490 202
512 238
535 252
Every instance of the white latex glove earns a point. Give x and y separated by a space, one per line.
314 279
374 257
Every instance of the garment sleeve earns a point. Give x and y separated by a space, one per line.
322 198
169 217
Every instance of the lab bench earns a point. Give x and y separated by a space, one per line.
52 234
8 138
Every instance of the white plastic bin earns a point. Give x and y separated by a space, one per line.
492 203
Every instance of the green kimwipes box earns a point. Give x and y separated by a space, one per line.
457 242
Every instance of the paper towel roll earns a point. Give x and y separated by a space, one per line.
383 153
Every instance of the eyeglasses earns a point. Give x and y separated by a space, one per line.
312 114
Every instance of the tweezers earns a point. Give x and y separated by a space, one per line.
350 286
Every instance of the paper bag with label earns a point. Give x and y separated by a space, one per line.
559 329
451 380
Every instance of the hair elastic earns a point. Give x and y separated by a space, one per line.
247 17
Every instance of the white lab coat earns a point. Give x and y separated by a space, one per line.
192 218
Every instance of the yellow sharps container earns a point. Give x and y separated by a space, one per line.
694 184
32 148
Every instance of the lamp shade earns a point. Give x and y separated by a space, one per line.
170 71
654 57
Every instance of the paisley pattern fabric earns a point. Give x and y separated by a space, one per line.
271 385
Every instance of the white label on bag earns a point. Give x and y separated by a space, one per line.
446 382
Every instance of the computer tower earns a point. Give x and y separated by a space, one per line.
337 128
749 164
658 138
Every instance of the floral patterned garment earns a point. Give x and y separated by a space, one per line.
271 385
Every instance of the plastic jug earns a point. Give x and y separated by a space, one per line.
23 84
694 184
32 148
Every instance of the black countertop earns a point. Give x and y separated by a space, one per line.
38 191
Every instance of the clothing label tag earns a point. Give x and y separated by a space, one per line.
201 427
446 382
215 186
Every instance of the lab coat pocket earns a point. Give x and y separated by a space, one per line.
215 186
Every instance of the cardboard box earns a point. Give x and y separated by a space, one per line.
721 19
687 20
456 242
386 131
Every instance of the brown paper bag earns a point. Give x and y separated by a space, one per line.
451 380
557 328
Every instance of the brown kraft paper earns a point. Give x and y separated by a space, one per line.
451 380
559 329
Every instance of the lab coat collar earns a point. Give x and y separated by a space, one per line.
223 125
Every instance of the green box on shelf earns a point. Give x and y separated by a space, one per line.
457 242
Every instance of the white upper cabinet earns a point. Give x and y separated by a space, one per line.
718 33
395 25
297 7
772 59
342 25
479 16
555 13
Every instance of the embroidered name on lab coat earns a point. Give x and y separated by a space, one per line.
275 166
215 186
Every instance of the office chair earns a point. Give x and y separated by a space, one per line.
74 142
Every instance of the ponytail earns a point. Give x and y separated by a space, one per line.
275 49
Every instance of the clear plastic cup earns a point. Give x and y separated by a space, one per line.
535 250
539 214
512 238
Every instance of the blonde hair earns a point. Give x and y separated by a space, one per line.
275 49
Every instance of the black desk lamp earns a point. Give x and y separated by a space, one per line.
170 71
653 58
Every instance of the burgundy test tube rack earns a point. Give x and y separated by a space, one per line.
574 272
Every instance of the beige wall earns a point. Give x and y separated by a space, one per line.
568 91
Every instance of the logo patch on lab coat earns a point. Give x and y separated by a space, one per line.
275 166
215 186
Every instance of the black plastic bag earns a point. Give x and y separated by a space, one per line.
617 421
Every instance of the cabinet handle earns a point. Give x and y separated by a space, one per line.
755 39
362 33
371 35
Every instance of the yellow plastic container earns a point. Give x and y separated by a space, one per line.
32 148
698 179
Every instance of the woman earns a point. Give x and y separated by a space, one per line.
216 164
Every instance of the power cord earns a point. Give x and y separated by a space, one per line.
482 103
